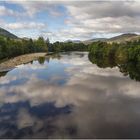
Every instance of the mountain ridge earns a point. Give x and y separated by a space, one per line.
6 33
124 38
117 39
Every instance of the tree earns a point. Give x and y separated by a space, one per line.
40 45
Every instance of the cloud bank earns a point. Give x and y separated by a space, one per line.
77 19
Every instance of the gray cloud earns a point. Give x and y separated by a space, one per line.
24 25
31 8
90 18
102 9
4 11
86 19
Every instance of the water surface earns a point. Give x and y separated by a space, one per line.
68 97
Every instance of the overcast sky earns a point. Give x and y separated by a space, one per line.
63 20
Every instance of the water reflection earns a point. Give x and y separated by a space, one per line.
129 68
3 73
68 98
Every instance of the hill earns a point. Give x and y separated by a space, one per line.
6 33
124 38
118 39
74 41
93 40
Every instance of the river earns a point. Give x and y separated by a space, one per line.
66 96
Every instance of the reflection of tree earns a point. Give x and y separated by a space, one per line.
41 60
31 62
130 68
80 54
48 59
56 56
3 73
102 63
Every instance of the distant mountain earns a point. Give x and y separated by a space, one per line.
124 38
6 33
74 41
93 40
118 39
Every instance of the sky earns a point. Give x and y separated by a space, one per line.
68 19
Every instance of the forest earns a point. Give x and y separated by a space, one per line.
67 46
124 55
14 47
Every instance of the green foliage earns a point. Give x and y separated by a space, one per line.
14 47
126 56
40 45
41 60
68 46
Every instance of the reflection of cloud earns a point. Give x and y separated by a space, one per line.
24 119
31 66
85 79
105 103
7 79
102 117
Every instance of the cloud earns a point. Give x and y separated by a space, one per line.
4 11
33 7
84 19
91 18
102 9
24 25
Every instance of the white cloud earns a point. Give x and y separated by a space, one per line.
33 7
24 25
84 20
7 12
91 18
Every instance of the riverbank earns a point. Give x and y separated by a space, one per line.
22 59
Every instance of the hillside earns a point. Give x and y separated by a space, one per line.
74 41
93 40
6 33
118 39
124 38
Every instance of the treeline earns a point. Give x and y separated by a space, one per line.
14 47
67 46
118 53
125 55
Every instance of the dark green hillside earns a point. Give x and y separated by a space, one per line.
5 33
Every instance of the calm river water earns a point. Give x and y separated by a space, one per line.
66 96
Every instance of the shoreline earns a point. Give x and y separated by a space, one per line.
13 62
